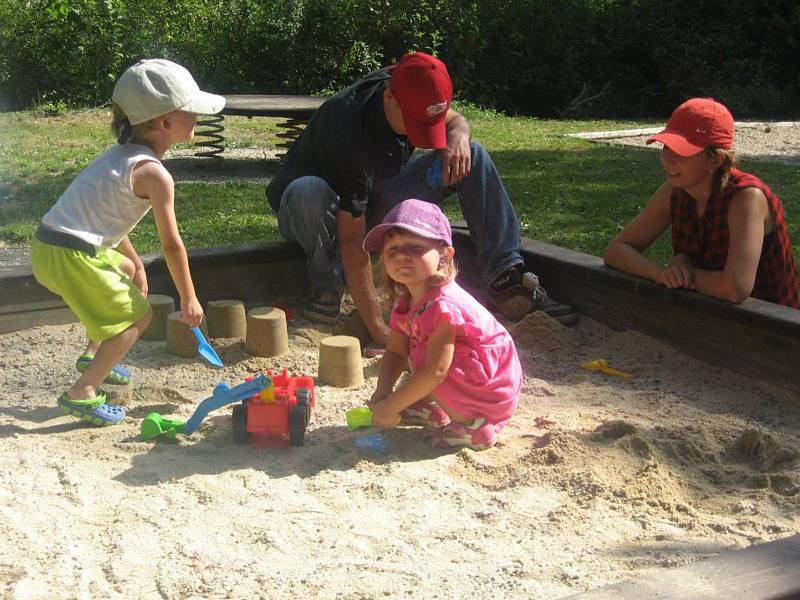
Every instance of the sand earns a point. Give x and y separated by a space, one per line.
596 479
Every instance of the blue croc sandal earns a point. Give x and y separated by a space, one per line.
96 411
119 375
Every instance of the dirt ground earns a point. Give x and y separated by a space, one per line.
596 479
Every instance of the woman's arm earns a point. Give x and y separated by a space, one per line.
151 180
625 251
748 222
423 381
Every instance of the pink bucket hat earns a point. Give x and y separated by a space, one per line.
417 216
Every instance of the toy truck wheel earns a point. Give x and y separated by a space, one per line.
303 396
298 417
240 433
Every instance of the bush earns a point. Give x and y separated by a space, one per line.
571 58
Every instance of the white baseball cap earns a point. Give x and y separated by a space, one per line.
154 87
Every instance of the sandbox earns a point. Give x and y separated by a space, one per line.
596 480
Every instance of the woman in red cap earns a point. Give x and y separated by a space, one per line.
729 234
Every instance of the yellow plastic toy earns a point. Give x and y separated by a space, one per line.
268 394
601 364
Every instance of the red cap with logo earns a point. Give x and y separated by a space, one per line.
695 125
423 89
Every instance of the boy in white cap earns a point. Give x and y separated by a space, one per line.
82 251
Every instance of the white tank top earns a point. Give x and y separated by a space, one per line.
100 206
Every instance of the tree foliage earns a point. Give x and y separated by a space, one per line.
538 57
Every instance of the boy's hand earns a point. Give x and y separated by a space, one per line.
140 281
384 416
191 312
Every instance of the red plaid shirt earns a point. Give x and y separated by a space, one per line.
705 239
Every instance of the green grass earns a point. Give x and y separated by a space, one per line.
566 191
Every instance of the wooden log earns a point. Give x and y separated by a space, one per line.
226 319
340 361
162 307
266 332
180 339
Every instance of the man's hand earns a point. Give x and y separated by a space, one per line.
456 156
380 332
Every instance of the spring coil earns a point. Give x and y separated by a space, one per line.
212 128
293 127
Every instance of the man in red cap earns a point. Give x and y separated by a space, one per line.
353 163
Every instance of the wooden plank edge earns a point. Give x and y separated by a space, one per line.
769 571
756 338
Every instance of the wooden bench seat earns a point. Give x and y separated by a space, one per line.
295 110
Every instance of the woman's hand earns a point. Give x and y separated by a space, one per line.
191 312
677 276
384 416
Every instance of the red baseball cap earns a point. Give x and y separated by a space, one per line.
695 125
424 91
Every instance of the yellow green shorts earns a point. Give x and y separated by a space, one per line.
105 300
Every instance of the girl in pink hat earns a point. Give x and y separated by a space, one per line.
465 373
730 238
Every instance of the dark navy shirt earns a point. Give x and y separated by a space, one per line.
349 144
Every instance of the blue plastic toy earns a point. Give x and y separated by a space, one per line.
376 442
154 425
205 349
434 174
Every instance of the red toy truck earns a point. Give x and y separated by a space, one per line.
282 409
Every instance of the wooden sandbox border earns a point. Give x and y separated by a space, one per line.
763 572
758 339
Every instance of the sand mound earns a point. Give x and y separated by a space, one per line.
596 479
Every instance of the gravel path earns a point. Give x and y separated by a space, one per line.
773 141
778 142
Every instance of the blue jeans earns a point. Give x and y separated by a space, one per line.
308 208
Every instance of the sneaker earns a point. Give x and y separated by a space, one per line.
324 308
515 295
425 413
478 435
119 375
94 410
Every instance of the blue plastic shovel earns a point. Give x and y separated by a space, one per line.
205 349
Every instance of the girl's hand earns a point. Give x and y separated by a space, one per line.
376 397
384 416
140 280
677 276
191 312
